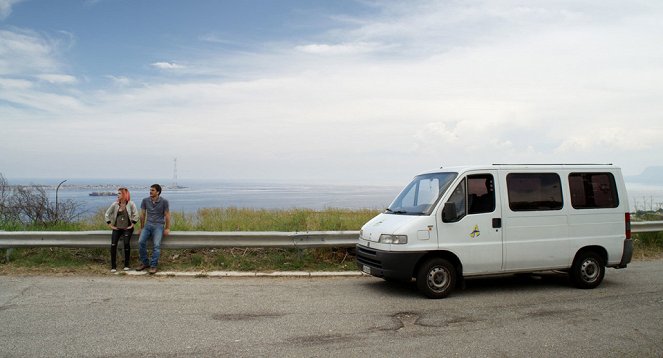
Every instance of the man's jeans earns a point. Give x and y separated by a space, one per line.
155 231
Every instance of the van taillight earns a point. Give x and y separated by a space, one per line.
628 226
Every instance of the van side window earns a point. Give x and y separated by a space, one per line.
534 191
593 190
480 194
457 199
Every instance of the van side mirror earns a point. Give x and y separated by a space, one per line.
449 213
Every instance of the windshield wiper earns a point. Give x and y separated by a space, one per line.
396 212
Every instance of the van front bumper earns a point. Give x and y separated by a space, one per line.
387 264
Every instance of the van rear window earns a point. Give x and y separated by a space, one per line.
534 191
593 190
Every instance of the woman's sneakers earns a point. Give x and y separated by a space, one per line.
113 270
126 268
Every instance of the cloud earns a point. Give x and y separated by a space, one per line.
6 7
611 139
386 95
120 80
58 78
341 49
25 52
436 133
29 63
217 39
28 96
167 66
14 84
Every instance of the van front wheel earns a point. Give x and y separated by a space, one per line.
587 270
436 278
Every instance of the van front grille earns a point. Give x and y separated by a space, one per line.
367 251
368 257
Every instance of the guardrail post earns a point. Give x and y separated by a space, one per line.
8 254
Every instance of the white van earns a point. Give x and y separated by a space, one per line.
467 221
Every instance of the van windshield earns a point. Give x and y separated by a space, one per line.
420 196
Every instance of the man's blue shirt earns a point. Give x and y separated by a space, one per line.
156 211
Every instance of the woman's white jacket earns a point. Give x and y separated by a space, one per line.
111 213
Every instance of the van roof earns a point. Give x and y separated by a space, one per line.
465 168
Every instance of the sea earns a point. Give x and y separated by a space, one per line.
645 197
190 195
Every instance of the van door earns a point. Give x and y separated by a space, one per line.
535 222
474 231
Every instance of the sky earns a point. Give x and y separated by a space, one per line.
317 91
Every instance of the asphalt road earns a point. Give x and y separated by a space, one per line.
125 316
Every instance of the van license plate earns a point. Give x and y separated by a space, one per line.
366 269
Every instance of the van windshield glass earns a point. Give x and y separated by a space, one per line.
420 196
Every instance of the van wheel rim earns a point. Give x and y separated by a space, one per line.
589 271
438 279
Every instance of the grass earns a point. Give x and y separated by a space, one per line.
647 245
53 260
243 219
66 260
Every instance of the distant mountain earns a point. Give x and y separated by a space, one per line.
651 175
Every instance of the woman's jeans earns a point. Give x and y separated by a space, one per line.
125 234
154 231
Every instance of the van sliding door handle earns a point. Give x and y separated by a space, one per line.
497 223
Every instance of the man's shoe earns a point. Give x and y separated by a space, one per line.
153 270
141 267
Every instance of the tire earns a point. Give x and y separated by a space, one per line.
436 278
587 271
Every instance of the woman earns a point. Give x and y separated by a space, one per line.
121 217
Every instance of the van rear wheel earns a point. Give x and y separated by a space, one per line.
587 270
436 278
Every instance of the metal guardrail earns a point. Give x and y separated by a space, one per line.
208 239
184 239
646 226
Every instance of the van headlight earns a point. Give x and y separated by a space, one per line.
393 239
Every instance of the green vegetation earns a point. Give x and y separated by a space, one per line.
648 215
242 219
64 260
648 244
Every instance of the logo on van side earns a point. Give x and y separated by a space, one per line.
475 232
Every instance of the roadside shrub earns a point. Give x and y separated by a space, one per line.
29 206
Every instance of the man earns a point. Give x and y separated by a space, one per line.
156 210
